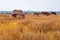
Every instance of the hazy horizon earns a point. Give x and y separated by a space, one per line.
33 5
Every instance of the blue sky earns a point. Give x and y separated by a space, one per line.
35 5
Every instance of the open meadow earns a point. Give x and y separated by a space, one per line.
33 27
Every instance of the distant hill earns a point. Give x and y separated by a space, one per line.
58 12
5 12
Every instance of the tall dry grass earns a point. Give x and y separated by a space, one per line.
31 28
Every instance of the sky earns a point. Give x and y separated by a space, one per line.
34 5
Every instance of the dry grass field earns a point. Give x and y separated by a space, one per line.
31 28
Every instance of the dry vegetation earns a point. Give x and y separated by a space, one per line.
31 28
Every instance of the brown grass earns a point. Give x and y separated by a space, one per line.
31 28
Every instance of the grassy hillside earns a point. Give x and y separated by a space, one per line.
31 28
